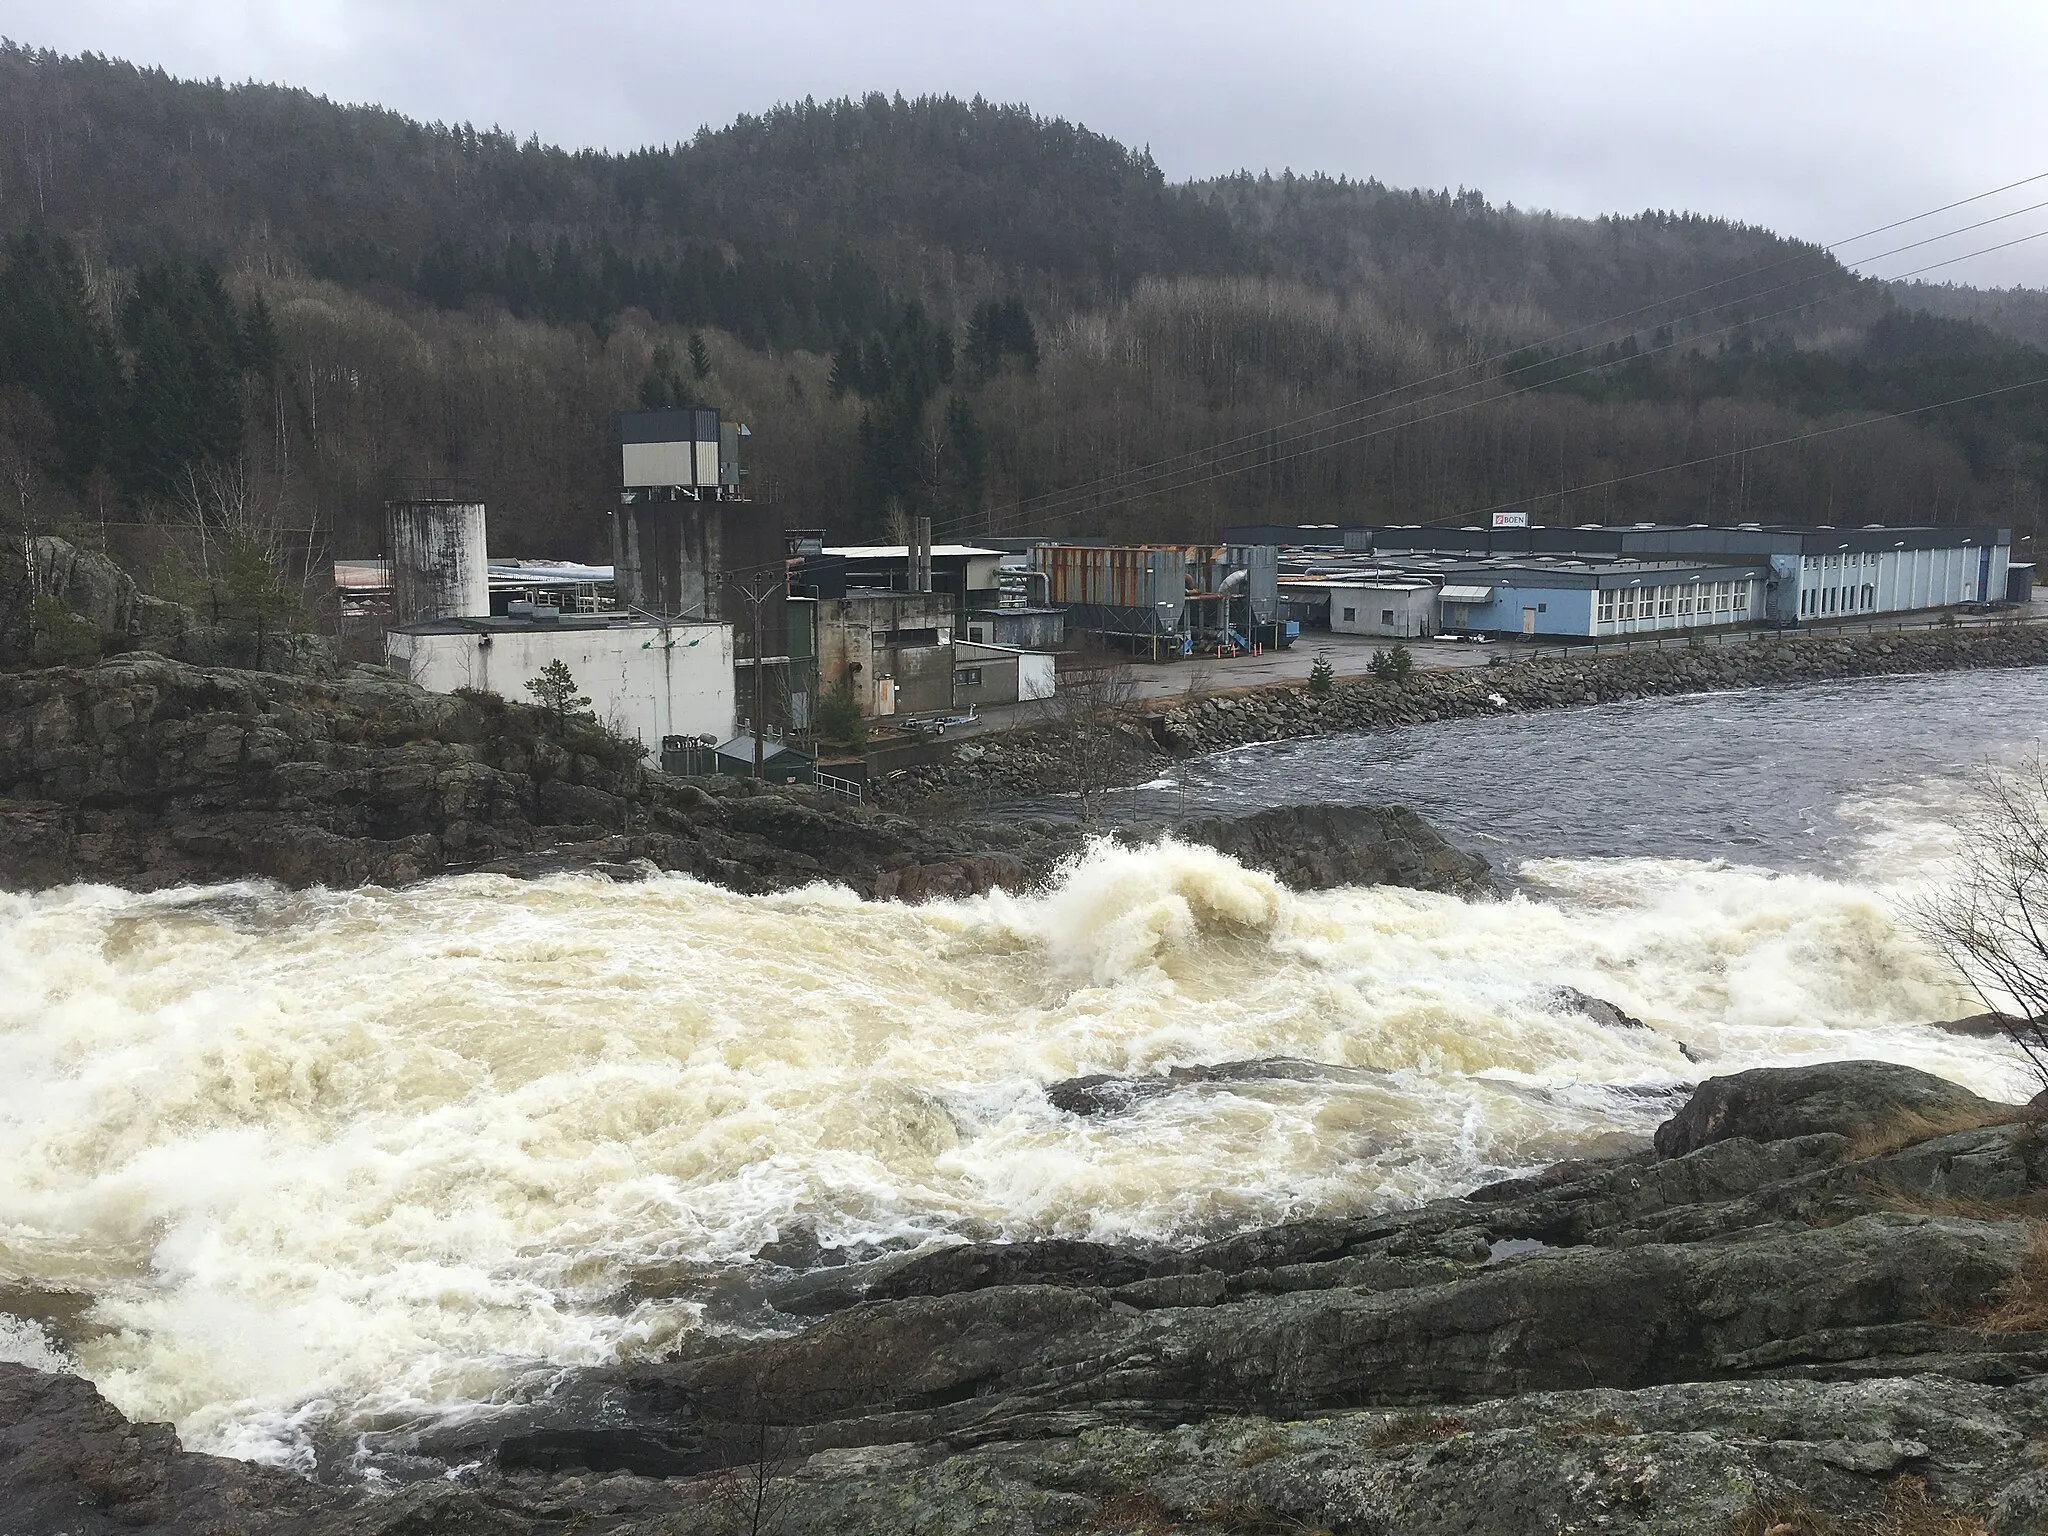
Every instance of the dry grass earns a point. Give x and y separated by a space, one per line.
1414 1429
1909 1511
1240 1516
1906 1127
2031 1206
1133 1512
2022 1304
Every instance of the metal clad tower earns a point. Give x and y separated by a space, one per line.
438 566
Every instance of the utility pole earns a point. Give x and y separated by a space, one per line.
757 591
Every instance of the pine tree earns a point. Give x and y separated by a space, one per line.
55 347
1322 677
555 691
700 356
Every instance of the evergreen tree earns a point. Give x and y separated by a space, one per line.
55 347
700 356
555 691
185 404
661 387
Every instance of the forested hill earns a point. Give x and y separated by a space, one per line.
252 295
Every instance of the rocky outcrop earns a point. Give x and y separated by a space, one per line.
118 616
1025 763
1871 1100
1765 1329
148 772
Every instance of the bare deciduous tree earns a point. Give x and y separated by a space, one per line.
1991 921
1088 713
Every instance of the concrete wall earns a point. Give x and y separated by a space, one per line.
646 681
438 566
851 644
1403 612
1008 675
1846 584
1552 610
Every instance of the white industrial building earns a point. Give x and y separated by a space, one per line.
646 677
1394 610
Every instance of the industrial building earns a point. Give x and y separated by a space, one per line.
1601 581
688 545
646 677
1389 608
1000 674
1163 600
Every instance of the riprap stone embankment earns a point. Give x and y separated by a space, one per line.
1032 762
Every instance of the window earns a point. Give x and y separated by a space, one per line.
1667 602
1869 596
1685 601
1350 615
1387 616
1606 607
967 677
1543 607
1738 602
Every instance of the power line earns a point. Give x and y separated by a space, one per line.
1074 496
1213 472
1797 437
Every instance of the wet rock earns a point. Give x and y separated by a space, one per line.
1108 1094
148 772
1663 1343
1598 1009
1850 1098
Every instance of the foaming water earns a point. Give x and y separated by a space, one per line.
373 1153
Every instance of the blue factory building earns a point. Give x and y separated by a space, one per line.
1597 582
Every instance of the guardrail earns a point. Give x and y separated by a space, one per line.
1512 648
845 789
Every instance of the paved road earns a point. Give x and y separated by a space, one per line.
1351 655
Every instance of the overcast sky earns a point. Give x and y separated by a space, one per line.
1819 118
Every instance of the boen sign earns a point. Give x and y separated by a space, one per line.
1510 519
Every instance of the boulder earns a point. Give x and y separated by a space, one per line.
1858 1099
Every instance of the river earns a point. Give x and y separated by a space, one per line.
357 1156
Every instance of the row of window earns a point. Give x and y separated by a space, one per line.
1719 602
1816 601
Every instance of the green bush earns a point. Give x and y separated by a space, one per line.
1392 666
61 637
1322 677
838 716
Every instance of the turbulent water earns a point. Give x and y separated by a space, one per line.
375 1153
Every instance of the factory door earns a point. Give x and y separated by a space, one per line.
885 695
1528 621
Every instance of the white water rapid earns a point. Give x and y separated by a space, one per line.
373 1152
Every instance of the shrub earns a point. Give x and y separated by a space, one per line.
61 637
838 716
555 691
1322 677
1392 666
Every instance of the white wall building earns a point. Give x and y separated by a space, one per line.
644 678
1395 610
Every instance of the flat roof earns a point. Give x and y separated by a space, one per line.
901 551
505 623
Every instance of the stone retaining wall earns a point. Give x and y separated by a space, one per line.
1032 762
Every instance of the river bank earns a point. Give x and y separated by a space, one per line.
1031 763
148 773
1815 1304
